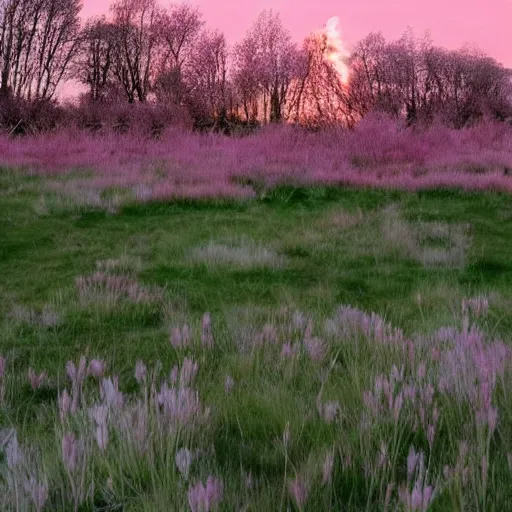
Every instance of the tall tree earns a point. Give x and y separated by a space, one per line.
208 78
419 81
267 61
93 67
39 39
367 80
178 28
135 47
246 77
320 96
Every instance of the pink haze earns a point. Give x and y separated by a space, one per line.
451 23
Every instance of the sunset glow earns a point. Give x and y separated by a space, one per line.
336 51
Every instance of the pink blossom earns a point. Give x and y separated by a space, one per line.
181 407
38 493
98 414
289 351
110 394
316 348
176 338
64 405
412 461
72 450
77 373
13 451
35 380
204 498
206 333
268 335
188 372
299 491
173 376
389 491
478 306
422 370
97 368
275 155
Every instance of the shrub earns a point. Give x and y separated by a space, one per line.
22 117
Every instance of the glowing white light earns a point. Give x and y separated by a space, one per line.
336 52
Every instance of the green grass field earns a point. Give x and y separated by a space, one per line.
411 258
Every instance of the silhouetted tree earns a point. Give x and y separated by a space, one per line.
319 95
94 65
420 81
38 40
135 46
178 30
266 62
208 79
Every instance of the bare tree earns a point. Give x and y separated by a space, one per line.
7 13
135 47
419 81
208 78
246 77
368 73
267 61
39 39
93 67
178 30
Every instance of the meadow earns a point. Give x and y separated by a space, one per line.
286 321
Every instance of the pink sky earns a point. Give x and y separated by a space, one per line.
485 23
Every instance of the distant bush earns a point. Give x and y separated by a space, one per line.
22 117
121 117
379 152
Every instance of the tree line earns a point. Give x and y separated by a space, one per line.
143 53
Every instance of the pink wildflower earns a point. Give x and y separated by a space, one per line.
64 405
77 373
207 334
98 414
110 394
97 368
316 348
173 376
188 372
38 493
71 451
176 339
204 498
289 351
35 380
299 491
